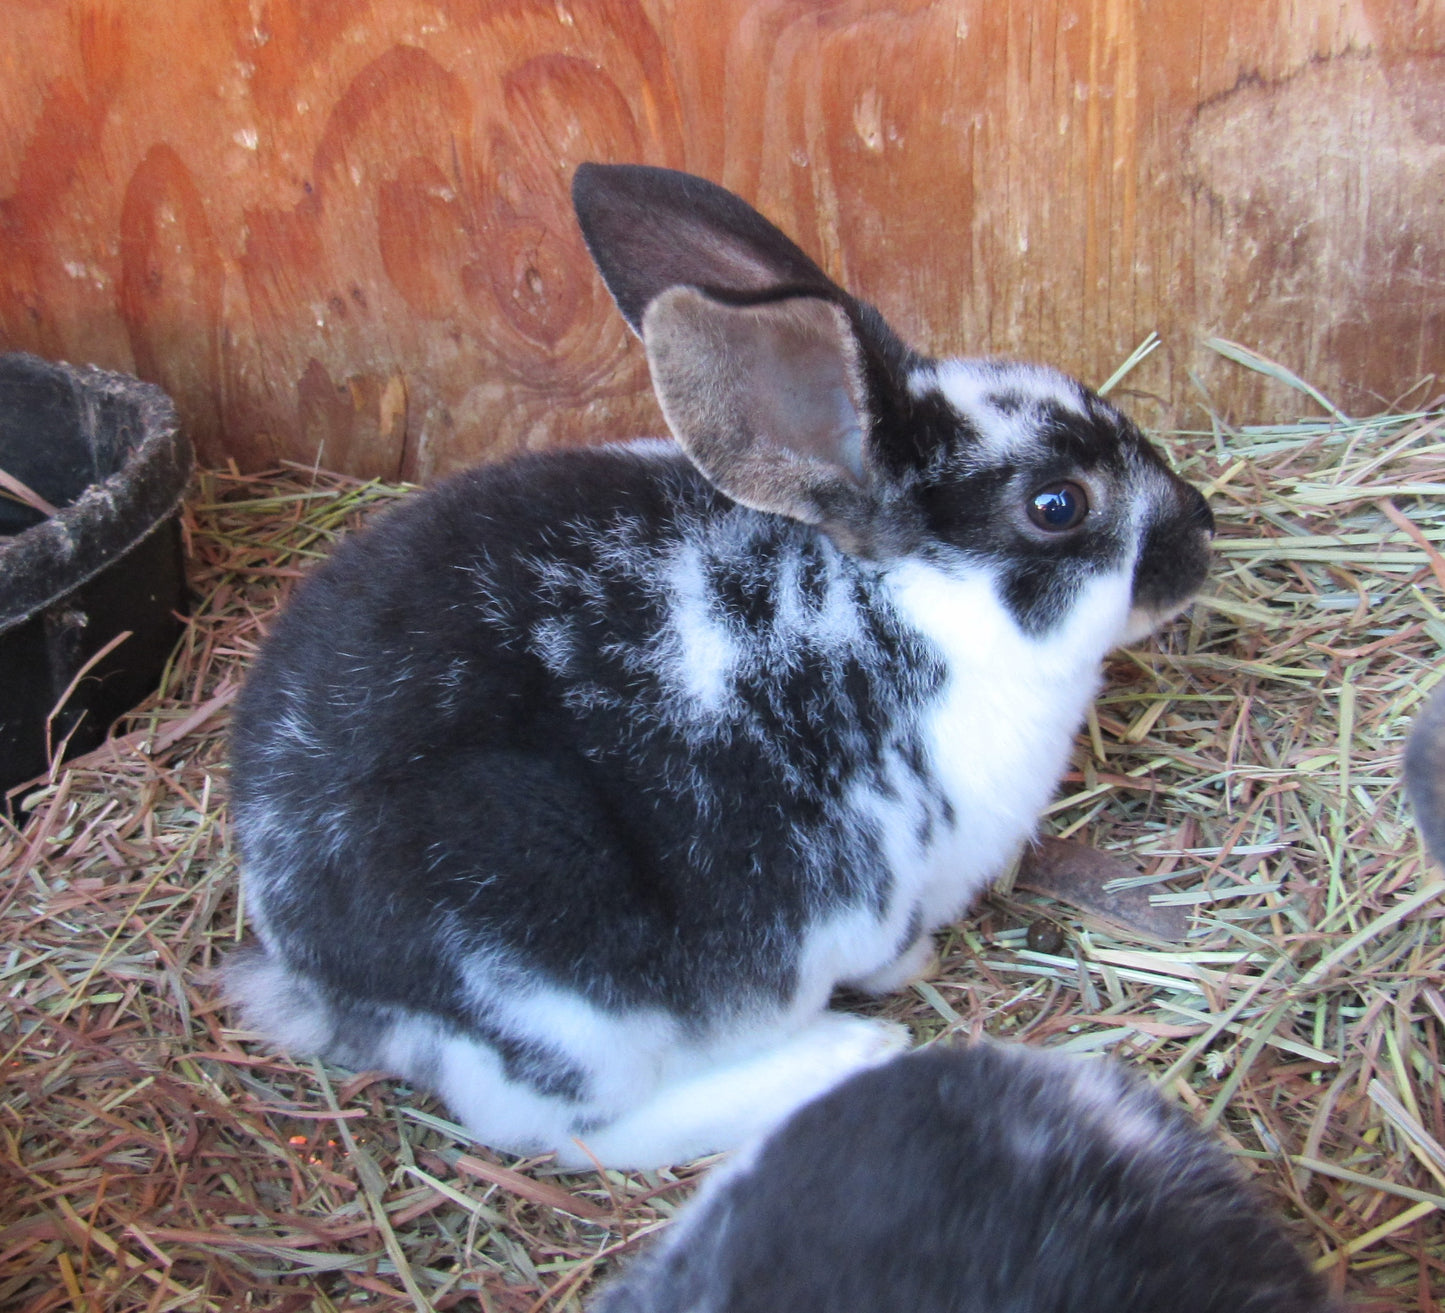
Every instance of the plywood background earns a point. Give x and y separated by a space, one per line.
341 227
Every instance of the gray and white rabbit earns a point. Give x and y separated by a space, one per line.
572 787
987 1179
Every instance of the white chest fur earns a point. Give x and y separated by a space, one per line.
999 734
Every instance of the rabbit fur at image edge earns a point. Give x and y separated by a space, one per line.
987 1179
572 787
1425 772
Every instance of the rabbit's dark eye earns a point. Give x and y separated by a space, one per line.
1058 507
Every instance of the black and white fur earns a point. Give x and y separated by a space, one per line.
990 1179
573 787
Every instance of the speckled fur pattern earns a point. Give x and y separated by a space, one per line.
990 1179
574 786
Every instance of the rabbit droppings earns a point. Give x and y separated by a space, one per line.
571 788
989 1179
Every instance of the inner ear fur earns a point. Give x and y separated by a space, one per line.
769 402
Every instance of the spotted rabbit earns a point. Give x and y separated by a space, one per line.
573 786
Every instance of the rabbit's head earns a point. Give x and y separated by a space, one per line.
793 396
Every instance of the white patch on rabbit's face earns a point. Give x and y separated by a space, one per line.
960 609
1016 433
1000 398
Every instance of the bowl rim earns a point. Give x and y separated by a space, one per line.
48 560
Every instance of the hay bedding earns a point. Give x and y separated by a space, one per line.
1245 765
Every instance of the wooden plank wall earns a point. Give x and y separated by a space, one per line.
341 226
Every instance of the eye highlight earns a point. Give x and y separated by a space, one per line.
1059 507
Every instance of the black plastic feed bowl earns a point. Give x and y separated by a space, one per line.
105 451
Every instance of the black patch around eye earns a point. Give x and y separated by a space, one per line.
965 511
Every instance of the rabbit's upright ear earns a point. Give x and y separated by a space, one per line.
650 229
753 349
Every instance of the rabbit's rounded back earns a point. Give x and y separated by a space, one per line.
989 1179
585 774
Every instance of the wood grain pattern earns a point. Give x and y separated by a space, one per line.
340 229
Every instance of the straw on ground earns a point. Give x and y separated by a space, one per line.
1246 764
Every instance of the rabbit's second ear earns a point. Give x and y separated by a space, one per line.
769 402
